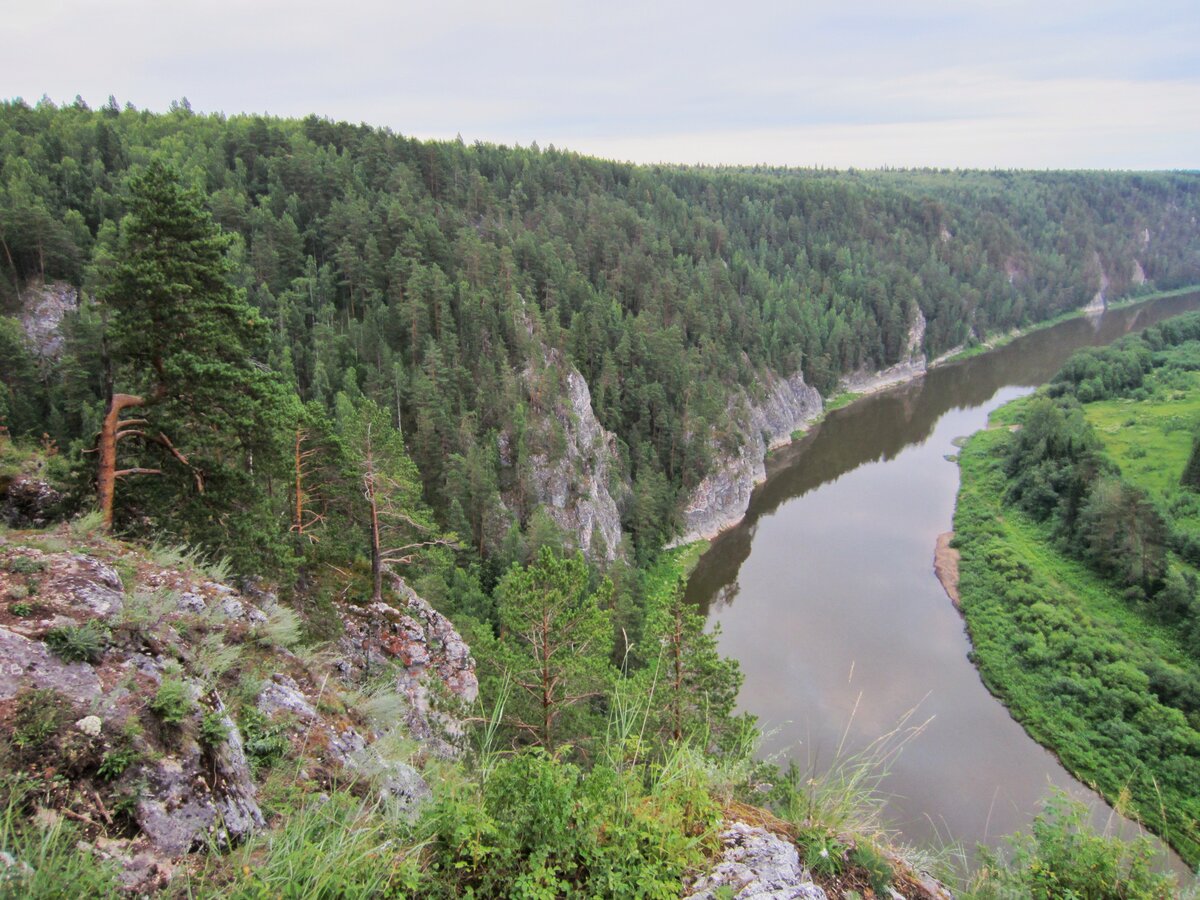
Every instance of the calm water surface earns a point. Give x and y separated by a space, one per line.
826 595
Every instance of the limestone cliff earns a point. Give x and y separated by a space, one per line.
133 681
721 499
568 462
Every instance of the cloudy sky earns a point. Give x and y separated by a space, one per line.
957 83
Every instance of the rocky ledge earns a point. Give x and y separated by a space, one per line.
147 701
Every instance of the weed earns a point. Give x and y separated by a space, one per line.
265 742
79 643
88 525
21 609
43 860
23 565
173 701
282 628
40 715
214 729
114 763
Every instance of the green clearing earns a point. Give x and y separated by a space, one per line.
1078 578
1068 655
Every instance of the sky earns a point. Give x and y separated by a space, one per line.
857 83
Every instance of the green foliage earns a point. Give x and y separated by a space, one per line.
172 702
1102 674
330 847
558 646
46 861
21 609
264 741
1064 858
543 828
80 643
213 729
40 716
23 565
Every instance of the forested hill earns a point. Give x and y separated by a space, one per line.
457 285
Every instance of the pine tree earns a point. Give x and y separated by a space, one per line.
558 632
187 353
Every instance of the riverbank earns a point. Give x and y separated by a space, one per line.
1076 662
945 565
726 493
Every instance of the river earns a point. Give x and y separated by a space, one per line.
825 593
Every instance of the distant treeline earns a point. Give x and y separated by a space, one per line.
425 275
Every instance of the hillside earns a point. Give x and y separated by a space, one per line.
436 278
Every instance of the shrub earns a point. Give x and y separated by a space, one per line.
1063 857
173 702
40 715
23 565
79 643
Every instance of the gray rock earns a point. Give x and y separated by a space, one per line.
188 799
723 496
45 305
191 602
283 695
403 787
756 865
574 482
28 502
84 584
26 663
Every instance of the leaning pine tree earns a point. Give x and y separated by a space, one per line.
189 400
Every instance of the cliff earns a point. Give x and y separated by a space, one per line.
149 701
566 463
721 499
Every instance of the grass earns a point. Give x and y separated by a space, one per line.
1067 654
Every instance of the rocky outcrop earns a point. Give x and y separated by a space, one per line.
44 307
756 865
911 365
569 460
435 675
723 496
28 502
721 499
124 664
1099 301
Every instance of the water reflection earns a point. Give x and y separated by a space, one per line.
831 606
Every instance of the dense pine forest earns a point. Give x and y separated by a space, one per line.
300 356
453 286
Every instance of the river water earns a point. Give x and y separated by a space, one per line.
825 593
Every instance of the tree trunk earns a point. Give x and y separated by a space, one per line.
106 478
376 552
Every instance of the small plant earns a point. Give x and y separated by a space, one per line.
23 565
265 742
21 609
40 715
213 730
876 867
87 525
114 763
79 643
281 629
173 702
824 855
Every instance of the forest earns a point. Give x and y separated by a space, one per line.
1078 524
435 280
312 354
